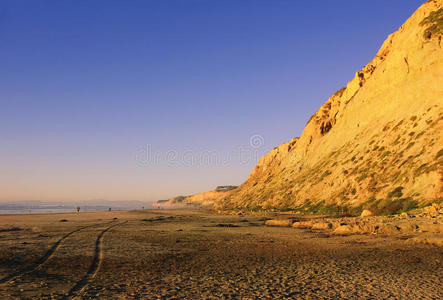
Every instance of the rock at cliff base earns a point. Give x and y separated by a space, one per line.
387 229
366 213
344 229
322 226
305 224
279 223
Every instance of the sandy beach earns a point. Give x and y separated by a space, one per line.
167 254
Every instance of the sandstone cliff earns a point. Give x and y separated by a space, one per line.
206 199
376 144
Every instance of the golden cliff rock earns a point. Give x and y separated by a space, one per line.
375 144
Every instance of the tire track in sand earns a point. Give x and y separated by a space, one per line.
45 257
80 286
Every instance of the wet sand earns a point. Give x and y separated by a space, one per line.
176 254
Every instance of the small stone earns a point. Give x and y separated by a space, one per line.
431 209
366 213
404 215
436 206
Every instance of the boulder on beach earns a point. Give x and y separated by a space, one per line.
322 225
279 222
366 213
343 229
304 224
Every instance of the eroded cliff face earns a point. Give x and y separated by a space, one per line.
377 143
200 200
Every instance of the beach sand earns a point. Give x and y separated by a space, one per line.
167 254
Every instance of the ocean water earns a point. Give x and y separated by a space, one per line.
34 209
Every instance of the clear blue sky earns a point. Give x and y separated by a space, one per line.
85 86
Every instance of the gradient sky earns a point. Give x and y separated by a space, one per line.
123 100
